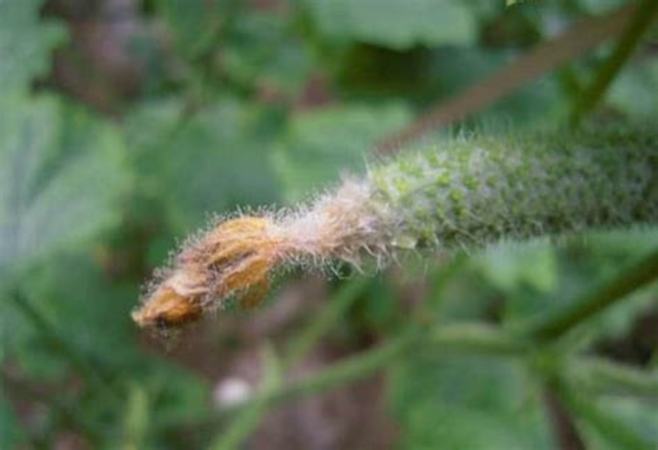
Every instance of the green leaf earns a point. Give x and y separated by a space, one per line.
263 51
75 296
586 264
456 401
599 6
511 266
25 43
321 145
398 24
61 174
618 423
634 91
192 23
215 160
90 314
11 434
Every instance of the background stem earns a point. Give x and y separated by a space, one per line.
548 55
609 427
630 38
635 277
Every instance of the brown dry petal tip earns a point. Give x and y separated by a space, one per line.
234 258
167 308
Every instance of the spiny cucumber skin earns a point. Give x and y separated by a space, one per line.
473 191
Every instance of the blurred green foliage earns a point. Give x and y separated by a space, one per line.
260 103
397 24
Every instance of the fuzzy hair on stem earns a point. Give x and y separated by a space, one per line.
465 192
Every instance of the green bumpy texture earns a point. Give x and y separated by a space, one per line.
471 191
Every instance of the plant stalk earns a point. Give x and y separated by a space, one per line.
628 281
630 38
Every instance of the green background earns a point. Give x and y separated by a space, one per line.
124 125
